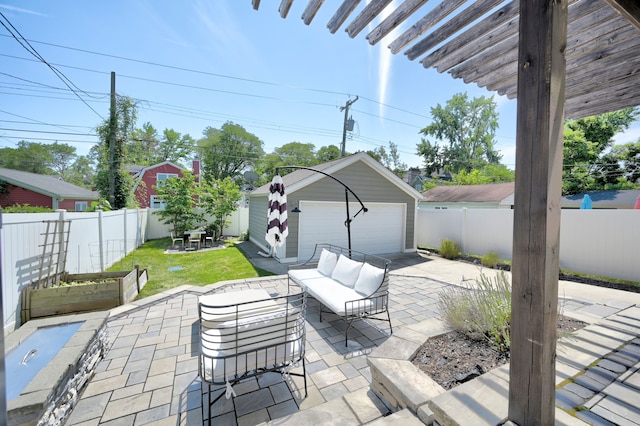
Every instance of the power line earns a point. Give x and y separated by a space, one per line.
48 132
248 80
29 48
34 120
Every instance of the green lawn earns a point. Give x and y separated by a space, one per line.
198 268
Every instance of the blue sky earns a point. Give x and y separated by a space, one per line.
199 63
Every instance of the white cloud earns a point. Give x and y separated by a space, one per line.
20 10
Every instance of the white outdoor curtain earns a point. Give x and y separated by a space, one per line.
277 226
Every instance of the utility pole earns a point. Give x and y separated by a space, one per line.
112 139
345 108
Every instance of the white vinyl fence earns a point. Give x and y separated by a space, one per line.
599 242
237 223
96 241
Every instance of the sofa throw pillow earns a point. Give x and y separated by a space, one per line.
346 271
327 262
369 279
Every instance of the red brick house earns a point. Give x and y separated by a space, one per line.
147 177
18 187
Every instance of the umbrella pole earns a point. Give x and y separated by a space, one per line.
347 222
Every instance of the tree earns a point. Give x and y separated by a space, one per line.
491 173
327 153
297 154
27 156
467 130
587 165
179 196
124 125
81 172
228 151
174 146
220 198
290 154
62 158
629 156
143 146
391 159
148 148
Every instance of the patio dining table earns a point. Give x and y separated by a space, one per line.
188 234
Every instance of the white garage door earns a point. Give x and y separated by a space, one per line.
381 230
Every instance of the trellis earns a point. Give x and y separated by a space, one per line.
54 252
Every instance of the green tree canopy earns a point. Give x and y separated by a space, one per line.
179 196
590 161
490 173
29 157
391 159
143 146
463 135
147 147
228 151
174 146
220 199
328 153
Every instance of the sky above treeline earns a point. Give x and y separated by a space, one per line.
201 63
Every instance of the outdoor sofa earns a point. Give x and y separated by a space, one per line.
352 284
247 333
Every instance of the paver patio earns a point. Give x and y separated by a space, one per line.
149 375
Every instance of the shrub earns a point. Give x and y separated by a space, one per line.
490 260
26 208
449 249
481 312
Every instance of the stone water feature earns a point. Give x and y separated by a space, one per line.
47 396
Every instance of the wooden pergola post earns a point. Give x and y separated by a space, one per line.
539 136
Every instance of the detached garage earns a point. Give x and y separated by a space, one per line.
387 227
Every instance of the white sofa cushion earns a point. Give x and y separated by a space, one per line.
346 271
334 295
369 280
300 276
249 343
327 262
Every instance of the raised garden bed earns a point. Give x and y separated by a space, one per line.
82 293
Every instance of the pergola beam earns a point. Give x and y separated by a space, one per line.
630 9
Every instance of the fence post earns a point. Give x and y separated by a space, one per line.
100 241
464 231
124 245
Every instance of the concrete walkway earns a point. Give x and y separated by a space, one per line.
149 375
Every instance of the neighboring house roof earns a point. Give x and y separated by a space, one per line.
52 186
615 199
494 192
300 178
139 171
135 169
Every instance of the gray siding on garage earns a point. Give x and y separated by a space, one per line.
258 205
366 182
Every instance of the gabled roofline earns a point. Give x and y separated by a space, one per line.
59 196
141 173
337 165
30 187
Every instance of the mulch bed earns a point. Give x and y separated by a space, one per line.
453 358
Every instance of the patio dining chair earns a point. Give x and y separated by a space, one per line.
208 239
175 239
194 238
